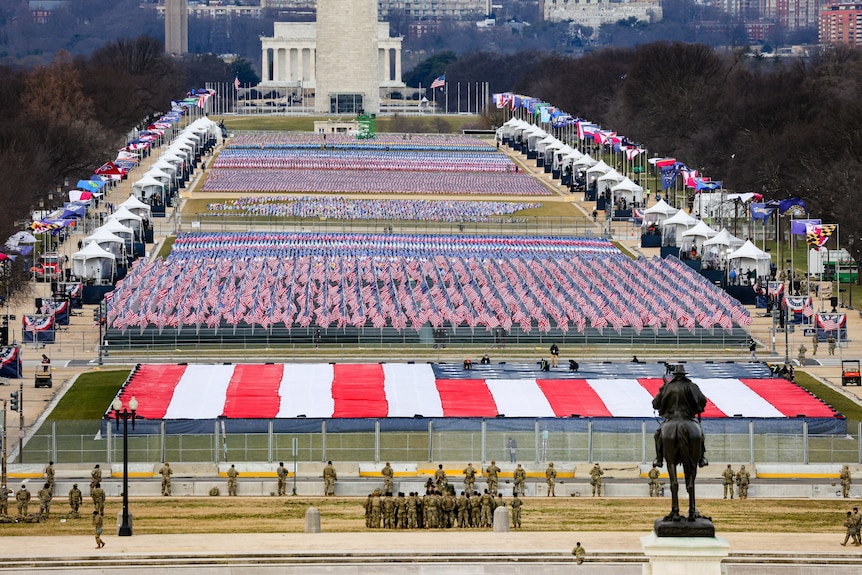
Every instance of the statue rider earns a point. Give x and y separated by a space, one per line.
678 398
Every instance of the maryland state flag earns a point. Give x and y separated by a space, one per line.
817 235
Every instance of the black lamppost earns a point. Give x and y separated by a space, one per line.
125 414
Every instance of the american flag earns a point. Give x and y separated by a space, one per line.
439 82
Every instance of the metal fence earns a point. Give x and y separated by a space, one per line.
90 442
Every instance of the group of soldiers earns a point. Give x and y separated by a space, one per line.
551 479
742 477
436 509
853 524
46 497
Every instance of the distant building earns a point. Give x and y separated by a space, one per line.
176 27
791 15
594 13
345 75
41 10
416 9
841 24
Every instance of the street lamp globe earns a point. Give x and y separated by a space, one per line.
117 405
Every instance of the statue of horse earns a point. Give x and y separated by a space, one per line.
679 438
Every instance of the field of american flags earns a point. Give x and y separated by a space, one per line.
216 284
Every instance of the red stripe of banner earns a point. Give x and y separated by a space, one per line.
789 398
573 396
153 386
466 398
358 390
653 384
253 391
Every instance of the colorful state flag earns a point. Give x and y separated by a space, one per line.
439 82
816 236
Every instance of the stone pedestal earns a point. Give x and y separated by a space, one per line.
312 520
120 521
501 520
684 555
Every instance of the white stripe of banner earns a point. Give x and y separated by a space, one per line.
623 397
732 397
411 389
306 389
519 398
200 393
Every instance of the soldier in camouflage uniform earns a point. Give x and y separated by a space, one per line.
232 474
516 510
475 510
440 479
329 479
520 477
387 506
49 476
596 479
45 497
411 511
95 477
492 472
742 480
401 511
551 478
728 476
463 506
368 511
469 478
281 472
375 509
388 474
487 502
845 481
5 492
448 507
75 500
653 481
166 473
22 496
98 495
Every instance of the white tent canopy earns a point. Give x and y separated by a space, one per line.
115 227
148 187
585 161
674 226
93 262
716 248
136 206
627 189
749 257
127 218
108 241
599 168
696 236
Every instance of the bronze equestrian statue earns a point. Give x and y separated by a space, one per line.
679 438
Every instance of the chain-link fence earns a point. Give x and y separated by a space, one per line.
478 441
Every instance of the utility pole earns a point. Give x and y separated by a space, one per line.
3 470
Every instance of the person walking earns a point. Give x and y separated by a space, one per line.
850 529
97 526
846 480
596 479
752 349
555 355
166 473
329 479
802 351
580 553
281 472
519 477
22 496
551 478
388 475
232 474
492 472
831 344
857 525
653 481
98 496
814 344
728 476
75 500
469 478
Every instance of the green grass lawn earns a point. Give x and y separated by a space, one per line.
89 396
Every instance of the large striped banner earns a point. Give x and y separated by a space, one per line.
380 390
